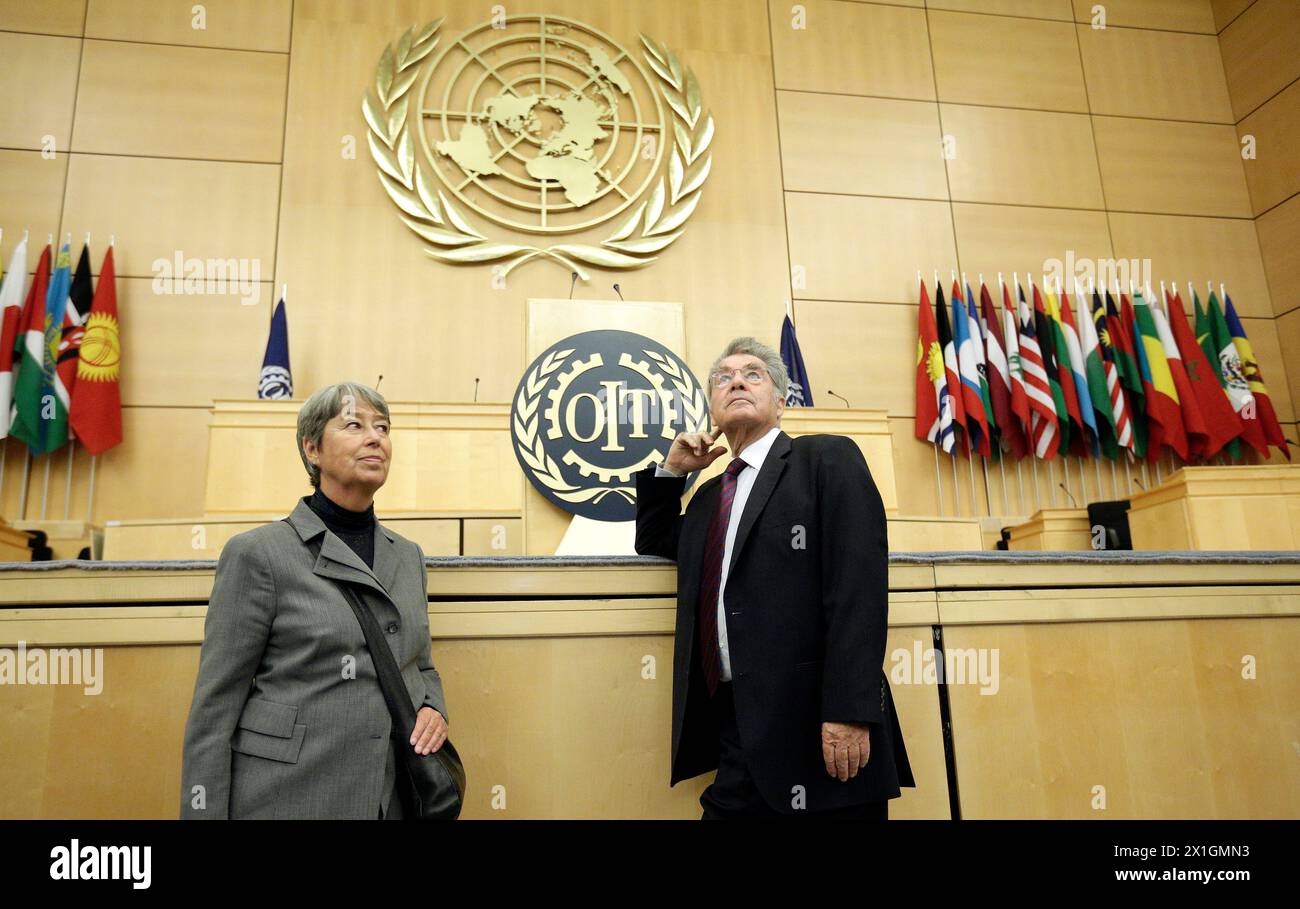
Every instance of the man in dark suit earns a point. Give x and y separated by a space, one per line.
782 607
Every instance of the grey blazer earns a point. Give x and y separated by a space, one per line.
288 720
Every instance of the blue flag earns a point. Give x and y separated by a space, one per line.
799 394
276 381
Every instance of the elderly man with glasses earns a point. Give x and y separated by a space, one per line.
782 608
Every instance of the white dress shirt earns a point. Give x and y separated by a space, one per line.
753 456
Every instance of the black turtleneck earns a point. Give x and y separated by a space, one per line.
356 528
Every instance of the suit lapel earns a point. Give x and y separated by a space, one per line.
773 467
336 559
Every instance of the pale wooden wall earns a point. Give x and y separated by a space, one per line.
228 142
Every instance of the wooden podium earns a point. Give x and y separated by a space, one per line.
1242 507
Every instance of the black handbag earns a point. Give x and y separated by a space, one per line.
431 786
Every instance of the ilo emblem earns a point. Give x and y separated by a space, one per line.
594 409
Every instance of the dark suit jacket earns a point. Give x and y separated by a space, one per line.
278 728
806 609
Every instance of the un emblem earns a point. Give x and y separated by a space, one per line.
541 125
594 409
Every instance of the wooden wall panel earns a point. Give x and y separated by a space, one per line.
152 207
1140 73
1259 57
1021 157
827 55
212 347
881 147
1173 168
261 25
31 196
1227 10
1025 63
860 350
1274 174
1183 249
48 17
183 102
864 248
1288 335
1008 238
1038 9
1176 15
39 84
1279 246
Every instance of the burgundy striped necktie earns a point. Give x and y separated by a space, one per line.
711 577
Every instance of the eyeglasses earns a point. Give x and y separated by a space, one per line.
722 378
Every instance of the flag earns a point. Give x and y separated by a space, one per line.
1222 425
1119 407
96 412
952 376
26 417
977 426
1079 373
276 381
799 393
1193 422
1077 443
1047 347
1019 397
979 341
41 419
1255 380
1043 423
1096 380
1164 416
933 407
1216 340
80 296
1129 373
11 310
1010 436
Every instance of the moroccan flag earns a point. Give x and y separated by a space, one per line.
1255 380
1047 345
933 409
1044 423
41 420
799 393
951 373
1129 374
1019 397
1114 388
1216 340
977 426
1094 367
1193 422
11 311
96 412
1164 416
1079 373
1222 425
1010 437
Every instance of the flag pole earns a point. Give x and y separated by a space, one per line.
90 493
22 492
45 491
67 489
1051 479
956 484
938 480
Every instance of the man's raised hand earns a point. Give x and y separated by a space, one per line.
692 451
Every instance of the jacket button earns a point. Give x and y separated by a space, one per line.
392 628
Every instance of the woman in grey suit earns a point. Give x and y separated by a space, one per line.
288 719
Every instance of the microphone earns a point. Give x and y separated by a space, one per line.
834 395
619 292
476 389
1067 493
572 284
377 381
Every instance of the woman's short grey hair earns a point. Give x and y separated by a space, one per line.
771 361
324 406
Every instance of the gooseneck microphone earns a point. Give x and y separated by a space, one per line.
476 389
841 397
619 292
572 284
